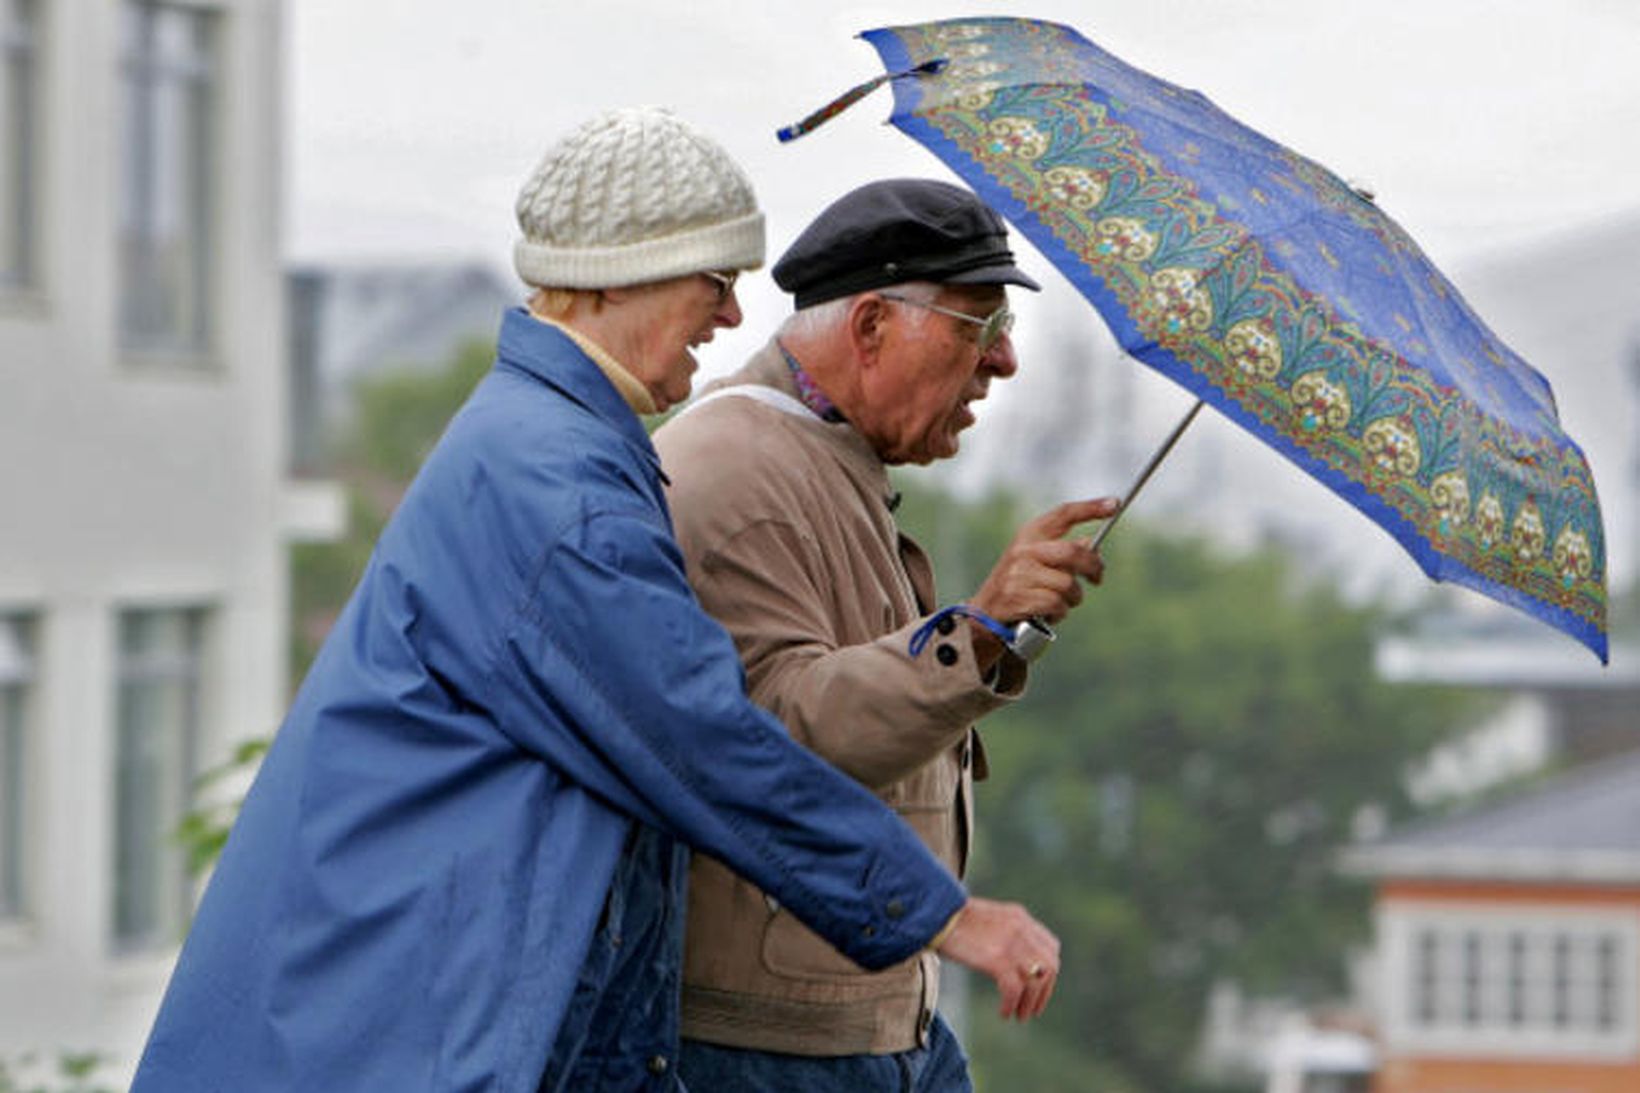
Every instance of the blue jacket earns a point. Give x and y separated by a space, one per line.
413 884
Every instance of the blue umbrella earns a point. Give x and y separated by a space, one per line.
1272 290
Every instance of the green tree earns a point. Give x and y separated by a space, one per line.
1170 795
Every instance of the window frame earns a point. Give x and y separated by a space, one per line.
1513 980
190 670
19 694
198 347
21 257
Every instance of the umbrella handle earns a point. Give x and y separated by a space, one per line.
1032 636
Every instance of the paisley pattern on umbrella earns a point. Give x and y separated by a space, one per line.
1288 301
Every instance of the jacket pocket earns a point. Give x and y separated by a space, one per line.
793 951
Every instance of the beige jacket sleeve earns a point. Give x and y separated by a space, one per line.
864 703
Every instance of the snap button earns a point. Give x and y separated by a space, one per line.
895 908
946 655
658 1064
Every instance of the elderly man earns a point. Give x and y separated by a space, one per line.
461 865
784 510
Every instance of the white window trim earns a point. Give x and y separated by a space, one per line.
1402 924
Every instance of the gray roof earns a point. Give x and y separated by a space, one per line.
1579 827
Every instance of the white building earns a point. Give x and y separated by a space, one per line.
144 503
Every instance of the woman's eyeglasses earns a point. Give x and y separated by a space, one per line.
725 282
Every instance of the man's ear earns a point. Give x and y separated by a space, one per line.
866 319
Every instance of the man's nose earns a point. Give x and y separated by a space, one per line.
1000 360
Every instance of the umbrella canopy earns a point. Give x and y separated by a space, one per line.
1279 295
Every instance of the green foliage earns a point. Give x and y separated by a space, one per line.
401 414
76 1072
204 830
1170 795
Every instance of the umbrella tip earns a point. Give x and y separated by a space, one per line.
853 95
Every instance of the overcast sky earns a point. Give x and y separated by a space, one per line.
1479 122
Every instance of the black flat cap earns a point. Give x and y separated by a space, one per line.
894 231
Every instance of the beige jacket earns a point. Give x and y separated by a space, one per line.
790 542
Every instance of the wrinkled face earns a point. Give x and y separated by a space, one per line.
667 320
930 369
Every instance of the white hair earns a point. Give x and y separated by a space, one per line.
826 319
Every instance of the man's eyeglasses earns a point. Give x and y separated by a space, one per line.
992 328
725 282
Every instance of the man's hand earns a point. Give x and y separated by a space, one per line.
1019 953
1037 576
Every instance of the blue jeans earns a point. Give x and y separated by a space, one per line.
941 1067
620 1033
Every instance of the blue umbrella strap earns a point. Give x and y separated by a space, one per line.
852 96
925 632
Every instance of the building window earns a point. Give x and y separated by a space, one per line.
19 150
1550 982
156 762
166 191
17 674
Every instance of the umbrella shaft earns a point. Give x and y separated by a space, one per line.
1150 469
1032 636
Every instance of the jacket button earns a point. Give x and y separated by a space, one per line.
895 908
946 625
658 1064
946 655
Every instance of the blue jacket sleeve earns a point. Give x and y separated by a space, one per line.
622 683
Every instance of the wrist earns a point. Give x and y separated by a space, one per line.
988 647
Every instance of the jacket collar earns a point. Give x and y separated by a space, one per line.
551 356
768 367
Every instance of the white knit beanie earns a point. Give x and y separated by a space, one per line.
633 196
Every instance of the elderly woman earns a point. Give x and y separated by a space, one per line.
461 864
